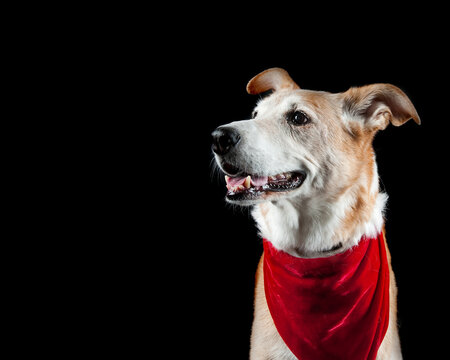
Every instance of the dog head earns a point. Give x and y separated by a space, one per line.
302 143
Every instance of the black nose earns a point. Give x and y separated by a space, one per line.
224 139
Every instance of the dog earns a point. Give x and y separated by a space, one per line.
306 165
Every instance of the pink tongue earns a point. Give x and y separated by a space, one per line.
235 181
255 181
259 180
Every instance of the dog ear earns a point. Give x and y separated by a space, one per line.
379 104
271 79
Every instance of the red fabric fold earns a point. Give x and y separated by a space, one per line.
330 308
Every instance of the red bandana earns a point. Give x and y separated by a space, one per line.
330 308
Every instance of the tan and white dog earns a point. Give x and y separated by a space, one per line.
305 161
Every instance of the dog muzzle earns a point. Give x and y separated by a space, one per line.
330 308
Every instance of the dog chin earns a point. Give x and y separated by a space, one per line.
246 190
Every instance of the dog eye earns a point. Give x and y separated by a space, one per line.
297 118
254 113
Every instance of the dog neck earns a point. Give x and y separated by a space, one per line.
318 226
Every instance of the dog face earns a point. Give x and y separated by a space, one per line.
305 144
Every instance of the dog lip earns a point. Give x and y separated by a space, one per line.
283 182
230 169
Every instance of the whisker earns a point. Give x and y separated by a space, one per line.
216 172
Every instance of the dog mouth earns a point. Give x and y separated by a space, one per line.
253 187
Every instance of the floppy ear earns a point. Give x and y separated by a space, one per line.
378 104
271 79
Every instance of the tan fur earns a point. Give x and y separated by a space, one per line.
398 108
271 79
265 338
391 341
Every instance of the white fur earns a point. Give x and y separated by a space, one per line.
313 225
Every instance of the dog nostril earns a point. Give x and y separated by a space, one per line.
224 139
225 142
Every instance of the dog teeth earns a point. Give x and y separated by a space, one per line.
251 186
247 182
238 188
280 177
